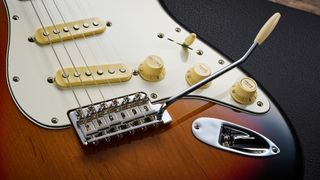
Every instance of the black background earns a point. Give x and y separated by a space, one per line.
287 65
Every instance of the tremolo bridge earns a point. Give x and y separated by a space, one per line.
116 117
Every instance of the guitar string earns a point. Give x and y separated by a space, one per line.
100 45
104 74
92 105
61 15
78 48
100 41
84 11
87 44
82 56
56 54
68 53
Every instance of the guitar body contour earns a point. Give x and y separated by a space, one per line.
28 151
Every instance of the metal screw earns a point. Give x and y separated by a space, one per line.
77 74
15 17
111 71
86 25
56 31
45 33
221 61
50 80
154 96
107 139
100 72
135 72
109 24
88 73
65 75
200 52
120 136
122 70
31 39
196 126
66 29
16 79
54 120
178 29
132 132
76 27
95 23
160 35
275 149
260 104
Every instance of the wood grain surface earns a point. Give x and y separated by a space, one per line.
312 6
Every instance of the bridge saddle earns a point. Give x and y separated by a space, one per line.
116 117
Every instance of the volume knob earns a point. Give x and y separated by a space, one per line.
244 91
152 69
197 73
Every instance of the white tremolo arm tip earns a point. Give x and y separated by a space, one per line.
267 28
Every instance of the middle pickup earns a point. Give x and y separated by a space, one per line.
92 75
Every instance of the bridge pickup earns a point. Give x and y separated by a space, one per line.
92 75
70 31
116 117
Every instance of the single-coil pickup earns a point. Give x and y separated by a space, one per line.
69 31
92 75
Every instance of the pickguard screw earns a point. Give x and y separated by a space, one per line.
196 126
15 17
160 35
31 39
54 120
275 149
16 79
154 96
178 29
135 73
109 24
200 52
260 104
50 80
221 62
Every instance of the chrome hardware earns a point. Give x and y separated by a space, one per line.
54 120
86 25
16 79
50 80
116 117
233 138
15 17
109 24
76 27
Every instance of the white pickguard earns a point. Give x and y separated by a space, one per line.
132 37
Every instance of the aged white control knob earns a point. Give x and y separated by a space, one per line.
152 69
244 91
197 73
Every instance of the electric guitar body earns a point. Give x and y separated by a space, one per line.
81 82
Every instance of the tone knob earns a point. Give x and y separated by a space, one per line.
197 73
152 69
244 91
